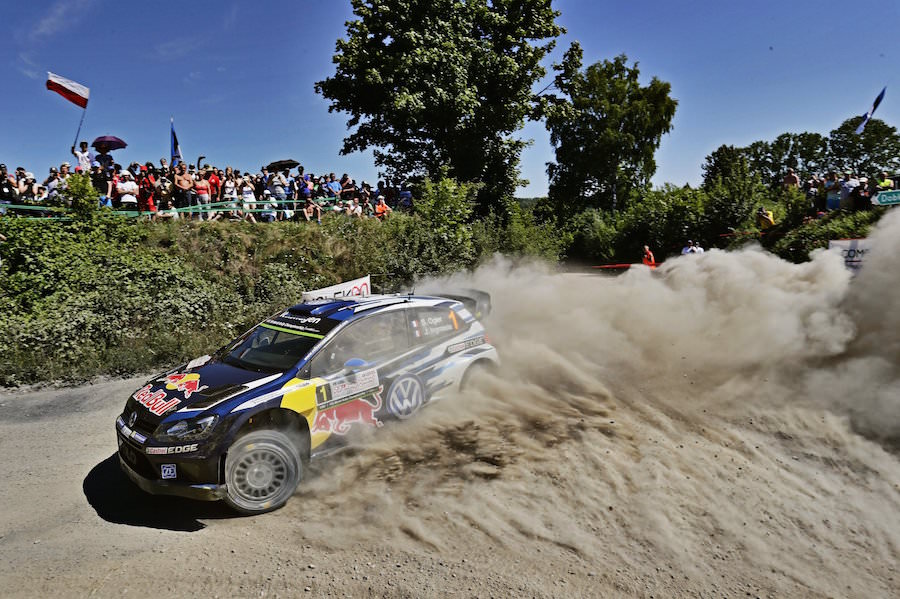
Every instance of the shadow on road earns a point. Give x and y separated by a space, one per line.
116 499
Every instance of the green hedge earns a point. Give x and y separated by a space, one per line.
106 295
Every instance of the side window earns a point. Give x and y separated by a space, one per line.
371 339
431 324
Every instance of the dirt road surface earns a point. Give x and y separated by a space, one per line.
725 426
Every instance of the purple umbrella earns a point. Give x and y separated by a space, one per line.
109 142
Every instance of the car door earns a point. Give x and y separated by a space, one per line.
352 368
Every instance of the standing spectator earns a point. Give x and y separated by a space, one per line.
648 258
277 187
215 184
832 189
9 191
104 158
690 248
884 182
184 183
334 186
100 181
248 198
860 198
202 189
229 190
84 156
147 190
127 191
791 181
848 184
28 186
348 190
51 183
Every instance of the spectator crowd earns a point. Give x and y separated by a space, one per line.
173 191
834 191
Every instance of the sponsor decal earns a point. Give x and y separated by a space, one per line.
341 418
350 386
197 362
155 401
186 382
464 345
132 419
170 450
361 287
405 396
168 471
307 320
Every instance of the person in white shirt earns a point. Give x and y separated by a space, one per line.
85 156
127 190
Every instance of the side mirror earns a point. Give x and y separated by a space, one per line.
355 364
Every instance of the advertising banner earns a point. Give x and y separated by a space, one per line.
361 286
853 251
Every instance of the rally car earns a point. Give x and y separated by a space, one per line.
242 423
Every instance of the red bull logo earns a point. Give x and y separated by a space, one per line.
340 419
187 383
155 401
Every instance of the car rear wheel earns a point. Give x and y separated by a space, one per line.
262 471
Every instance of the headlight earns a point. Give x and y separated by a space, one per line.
187 430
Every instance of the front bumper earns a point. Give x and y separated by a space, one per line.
195 475
203 492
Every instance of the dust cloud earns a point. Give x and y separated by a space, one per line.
725 423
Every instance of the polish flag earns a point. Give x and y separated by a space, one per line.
71 91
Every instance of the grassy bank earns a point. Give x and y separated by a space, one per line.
105 295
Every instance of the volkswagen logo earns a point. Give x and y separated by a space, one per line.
132 419
405 396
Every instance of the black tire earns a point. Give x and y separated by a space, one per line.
262 471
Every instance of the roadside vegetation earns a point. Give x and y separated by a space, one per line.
97 294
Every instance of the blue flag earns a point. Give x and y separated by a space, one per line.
869 114
176 148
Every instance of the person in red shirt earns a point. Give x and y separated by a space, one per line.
147 192
648 258
215 184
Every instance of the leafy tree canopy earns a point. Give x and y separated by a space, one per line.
442 83
876 149
605 129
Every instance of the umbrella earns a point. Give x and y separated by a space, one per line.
280 165
109 142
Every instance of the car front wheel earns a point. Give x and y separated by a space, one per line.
262 471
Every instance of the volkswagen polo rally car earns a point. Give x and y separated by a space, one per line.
241 424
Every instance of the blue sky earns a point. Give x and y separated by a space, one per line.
238 77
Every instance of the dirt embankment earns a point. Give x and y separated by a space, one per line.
726 426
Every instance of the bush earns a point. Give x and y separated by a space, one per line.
100 294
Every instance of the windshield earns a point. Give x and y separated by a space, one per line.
279 343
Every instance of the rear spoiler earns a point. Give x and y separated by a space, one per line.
476 301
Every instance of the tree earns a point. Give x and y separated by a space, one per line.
872 151
442 83
726 163
605 130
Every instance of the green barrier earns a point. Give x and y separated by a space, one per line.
34 207
217 207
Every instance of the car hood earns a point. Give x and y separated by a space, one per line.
191 387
